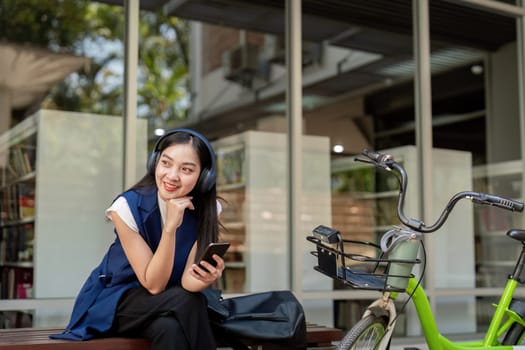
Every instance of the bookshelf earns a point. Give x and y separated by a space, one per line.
17 204
252 180
17 217
58 173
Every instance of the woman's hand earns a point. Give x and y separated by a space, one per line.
206 272
175 212
196 278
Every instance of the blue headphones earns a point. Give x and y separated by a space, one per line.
207 177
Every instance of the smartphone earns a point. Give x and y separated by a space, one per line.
213 248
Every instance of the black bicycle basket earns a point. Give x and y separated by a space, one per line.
363 265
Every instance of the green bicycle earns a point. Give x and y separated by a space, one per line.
390 271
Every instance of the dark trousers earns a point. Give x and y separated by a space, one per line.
174 319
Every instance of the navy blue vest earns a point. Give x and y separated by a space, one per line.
97 301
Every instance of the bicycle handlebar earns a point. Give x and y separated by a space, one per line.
387 162
490 199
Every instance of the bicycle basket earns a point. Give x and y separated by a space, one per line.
363 265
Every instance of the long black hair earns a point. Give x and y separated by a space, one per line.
205 202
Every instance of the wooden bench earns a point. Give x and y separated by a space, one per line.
320 336
37 339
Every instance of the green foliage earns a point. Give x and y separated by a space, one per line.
97 31
53 24
163 80
99 87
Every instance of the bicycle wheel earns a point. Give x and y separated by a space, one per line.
366 334
514 335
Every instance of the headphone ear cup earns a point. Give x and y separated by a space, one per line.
151 164
206 181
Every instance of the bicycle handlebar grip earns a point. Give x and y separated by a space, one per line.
500 202
376 156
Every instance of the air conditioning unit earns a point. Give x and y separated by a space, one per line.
275 50
241 64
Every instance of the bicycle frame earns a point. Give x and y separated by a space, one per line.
502 319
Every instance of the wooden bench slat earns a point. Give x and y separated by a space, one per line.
38 339
322 336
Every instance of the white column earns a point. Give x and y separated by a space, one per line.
131 8
423 116
520 34
295 118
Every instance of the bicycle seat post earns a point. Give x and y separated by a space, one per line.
520 264
518 235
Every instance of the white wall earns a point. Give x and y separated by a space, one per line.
79 172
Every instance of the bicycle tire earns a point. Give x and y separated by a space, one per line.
514 335
365 334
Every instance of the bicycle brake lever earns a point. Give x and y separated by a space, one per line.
364 160
377 157
374 163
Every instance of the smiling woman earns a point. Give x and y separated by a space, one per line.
177 171
149 281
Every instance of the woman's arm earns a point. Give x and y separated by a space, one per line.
153 270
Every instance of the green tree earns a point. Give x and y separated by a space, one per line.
53 24
164 78
99 87
97 31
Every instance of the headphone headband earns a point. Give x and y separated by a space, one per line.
207 176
